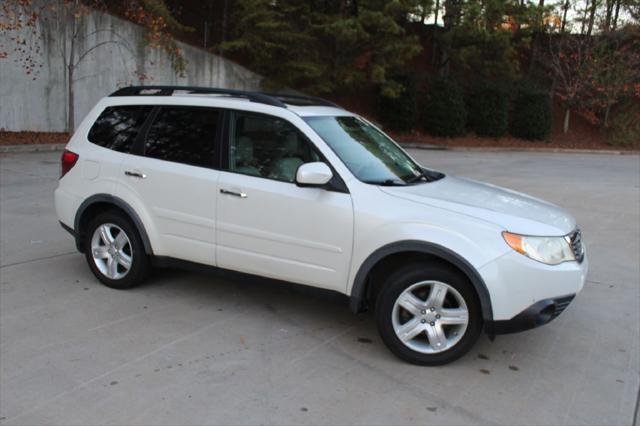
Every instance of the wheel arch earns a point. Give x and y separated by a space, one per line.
362 283
101 202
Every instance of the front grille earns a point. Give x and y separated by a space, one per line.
575 241
561 304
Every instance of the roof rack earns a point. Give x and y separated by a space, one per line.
274 99
168 91
301 99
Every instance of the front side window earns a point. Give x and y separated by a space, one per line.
183 135
117 127
268 147
368 153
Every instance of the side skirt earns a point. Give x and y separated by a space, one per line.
250 279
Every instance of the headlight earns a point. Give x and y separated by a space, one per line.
549 250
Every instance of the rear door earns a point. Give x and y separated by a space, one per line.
266 224
117 128
174 181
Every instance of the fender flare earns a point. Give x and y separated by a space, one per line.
358 290
110 199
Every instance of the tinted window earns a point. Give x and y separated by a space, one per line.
268 147
183 135
117 127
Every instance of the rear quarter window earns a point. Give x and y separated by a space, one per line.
117 127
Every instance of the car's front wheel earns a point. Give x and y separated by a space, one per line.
115 252
428 314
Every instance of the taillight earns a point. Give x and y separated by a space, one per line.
67 162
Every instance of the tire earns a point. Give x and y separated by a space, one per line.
123 251
425 328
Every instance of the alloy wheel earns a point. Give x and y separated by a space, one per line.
430 317
111 251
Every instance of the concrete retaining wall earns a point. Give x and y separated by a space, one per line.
41 105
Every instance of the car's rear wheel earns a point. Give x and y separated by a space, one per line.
428 314
115 252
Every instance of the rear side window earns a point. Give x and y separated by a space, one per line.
117 127
183 135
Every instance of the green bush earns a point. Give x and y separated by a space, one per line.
625 124
444 112
532 114
397 108
488 107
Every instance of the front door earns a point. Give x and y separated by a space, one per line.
266 225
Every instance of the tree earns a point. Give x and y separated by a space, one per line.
567 59
69 17
275 40
632 7
565 10
399 113
322 46
612 73
422 8
593 6
489 39
481 43
366 46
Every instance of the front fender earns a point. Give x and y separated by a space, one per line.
457 248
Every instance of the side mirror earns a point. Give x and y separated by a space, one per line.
313 174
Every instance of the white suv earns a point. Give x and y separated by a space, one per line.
297 189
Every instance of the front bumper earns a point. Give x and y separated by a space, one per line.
516 283
540 313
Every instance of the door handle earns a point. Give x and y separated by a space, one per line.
235 194
135 174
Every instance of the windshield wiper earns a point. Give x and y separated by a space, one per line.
386 182
417 177
427 175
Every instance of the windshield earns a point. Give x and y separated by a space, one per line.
368 153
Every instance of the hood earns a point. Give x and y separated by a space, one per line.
511 210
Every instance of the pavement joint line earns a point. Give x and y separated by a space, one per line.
583 375
434 397
37 260
84 384
323 343
20 172
630 366
67 341
598 282
25 148
423 392
635 411
128 317
543 150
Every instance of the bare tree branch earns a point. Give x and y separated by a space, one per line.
97 46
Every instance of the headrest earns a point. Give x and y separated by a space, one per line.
290 145
244 149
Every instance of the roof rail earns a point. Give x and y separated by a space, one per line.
274 99
168 91
307 100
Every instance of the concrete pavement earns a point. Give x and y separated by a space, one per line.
216 348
